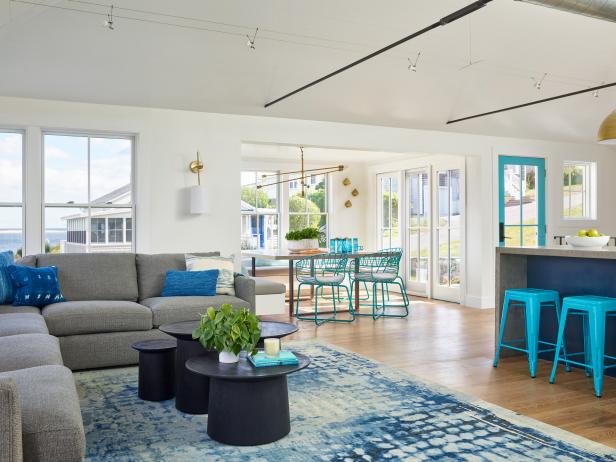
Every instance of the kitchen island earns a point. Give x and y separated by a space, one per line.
570 271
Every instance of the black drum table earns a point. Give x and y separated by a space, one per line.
248 406
156 369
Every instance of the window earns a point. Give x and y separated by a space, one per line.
87 193
11 191
578 190
260 210
418 189
309 210
129 230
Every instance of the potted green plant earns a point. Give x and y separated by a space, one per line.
303 239
228 331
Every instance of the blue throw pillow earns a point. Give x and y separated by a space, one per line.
185 283
6 286
35 286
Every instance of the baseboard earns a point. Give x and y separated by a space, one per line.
475 301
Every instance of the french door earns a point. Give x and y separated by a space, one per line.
418 231
521 194
447 235
388 209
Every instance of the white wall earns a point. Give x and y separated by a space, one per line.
168 139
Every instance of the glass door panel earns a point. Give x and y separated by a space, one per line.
418 240
521 201
448 235
389 213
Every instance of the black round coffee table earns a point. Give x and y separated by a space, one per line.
248 405
156 369
191 390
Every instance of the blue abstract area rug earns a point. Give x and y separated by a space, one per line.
344 407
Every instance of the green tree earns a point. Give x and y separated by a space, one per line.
247 194
298 204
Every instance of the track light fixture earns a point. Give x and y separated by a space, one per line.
251 41
108 23
413 64
539 82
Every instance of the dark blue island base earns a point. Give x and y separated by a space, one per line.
570 272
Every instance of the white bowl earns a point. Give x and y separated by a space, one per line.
579 241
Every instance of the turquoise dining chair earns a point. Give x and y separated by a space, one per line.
381 270
320 271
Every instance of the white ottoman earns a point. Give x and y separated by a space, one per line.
269 297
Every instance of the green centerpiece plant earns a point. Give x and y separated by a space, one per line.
303 239
228 331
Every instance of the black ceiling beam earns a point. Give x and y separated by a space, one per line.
532 103
441 22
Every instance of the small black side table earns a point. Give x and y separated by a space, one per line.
248 405
156 369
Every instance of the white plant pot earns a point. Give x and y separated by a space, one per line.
227 357
304 244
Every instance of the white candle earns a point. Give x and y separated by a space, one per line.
272 346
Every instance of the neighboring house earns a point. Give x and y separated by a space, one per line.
111 229
259 230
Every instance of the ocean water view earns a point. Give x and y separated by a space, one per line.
12 239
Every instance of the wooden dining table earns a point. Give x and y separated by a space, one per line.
291 257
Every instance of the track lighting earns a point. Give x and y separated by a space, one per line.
413 64
539 82
251 41
108 23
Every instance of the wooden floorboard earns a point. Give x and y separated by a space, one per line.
452 346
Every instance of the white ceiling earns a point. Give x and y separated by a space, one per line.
62 54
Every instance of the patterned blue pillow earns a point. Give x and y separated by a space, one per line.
35 286
185 283
6 286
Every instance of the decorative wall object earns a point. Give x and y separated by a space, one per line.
346 182
198 195
348 204
355 192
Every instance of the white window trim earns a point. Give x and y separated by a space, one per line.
590 190
21 204
89 134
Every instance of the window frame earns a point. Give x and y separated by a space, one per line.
589 190
22 204
89 134
278 208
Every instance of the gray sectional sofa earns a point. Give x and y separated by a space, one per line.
112 301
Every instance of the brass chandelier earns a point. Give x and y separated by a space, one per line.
303 174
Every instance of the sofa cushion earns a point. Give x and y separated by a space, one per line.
22 323
6 286
52 428
185 283
176 309
35 286
89 317
94 276
152 269
29 350
19 309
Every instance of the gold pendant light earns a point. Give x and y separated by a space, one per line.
607 130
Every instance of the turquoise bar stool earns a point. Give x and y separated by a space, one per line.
595 310
533 301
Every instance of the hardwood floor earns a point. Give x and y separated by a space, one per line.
452 346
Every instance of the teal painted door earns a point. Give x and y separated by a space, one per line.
521 190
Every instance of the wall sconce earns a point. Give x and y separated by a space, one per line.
198 196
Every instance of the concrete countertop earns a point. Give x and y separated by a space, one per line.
606 253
